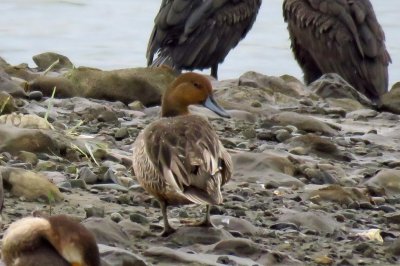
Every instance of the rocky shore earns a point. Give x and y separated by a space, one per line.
316 169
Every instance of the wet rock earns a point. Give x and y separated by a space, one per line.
263 168
35 95
243 115
320 222
176 257
46 166
14 140
7 103
86 174
107 232
246 248
338 194
276 84
303 122
25 121
390 100
393 217
136 105
345 104
394 247
189 235
137 84
282 226
28 157
282 135
78 183
21 71
387 179
55 177
332 85
107 116
10 87
318 176
94 211
121 133
233 224
114 256
362 114
29 185
45 60
134 229
322 147
138 218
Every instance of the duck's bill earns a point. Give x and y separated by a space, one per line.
211 104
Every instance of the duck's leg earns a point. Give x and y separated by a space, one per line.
167 227
207 222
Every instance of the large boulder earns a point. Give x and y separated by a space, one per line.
126 85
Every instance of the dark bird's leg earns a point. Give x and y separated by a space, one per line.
214 71
167 227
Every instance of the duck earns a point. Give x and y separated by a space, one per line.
179 159
199 34
342 37
47 241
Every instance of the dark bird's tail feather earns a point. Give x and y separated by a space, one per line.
163 58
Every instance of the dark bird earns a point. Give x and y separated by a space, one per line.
179 158
198 34
56 240
339 36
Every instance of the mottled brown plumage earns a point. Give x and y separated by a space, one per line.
56 240
198 34
339 36
179 158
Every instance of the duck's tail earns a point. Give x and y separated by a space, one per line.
211 195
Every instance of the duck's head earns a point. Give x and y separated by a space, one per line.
73 241
187 89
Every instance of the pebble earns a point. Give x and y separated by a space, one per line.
121 133
35 95
138 218
94 211
116 217
282 134
86 174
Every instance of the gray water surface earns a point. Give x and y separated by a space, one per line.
114 34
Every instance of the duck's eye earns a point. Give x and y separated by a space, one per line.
197 85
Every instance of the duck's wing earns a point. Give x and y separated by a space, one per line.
340 36
197 33
186 151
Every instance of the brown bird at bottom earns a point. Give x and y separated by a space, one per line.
339 36
179 158
56 240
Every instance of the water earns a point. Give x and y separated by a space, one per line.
114 34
